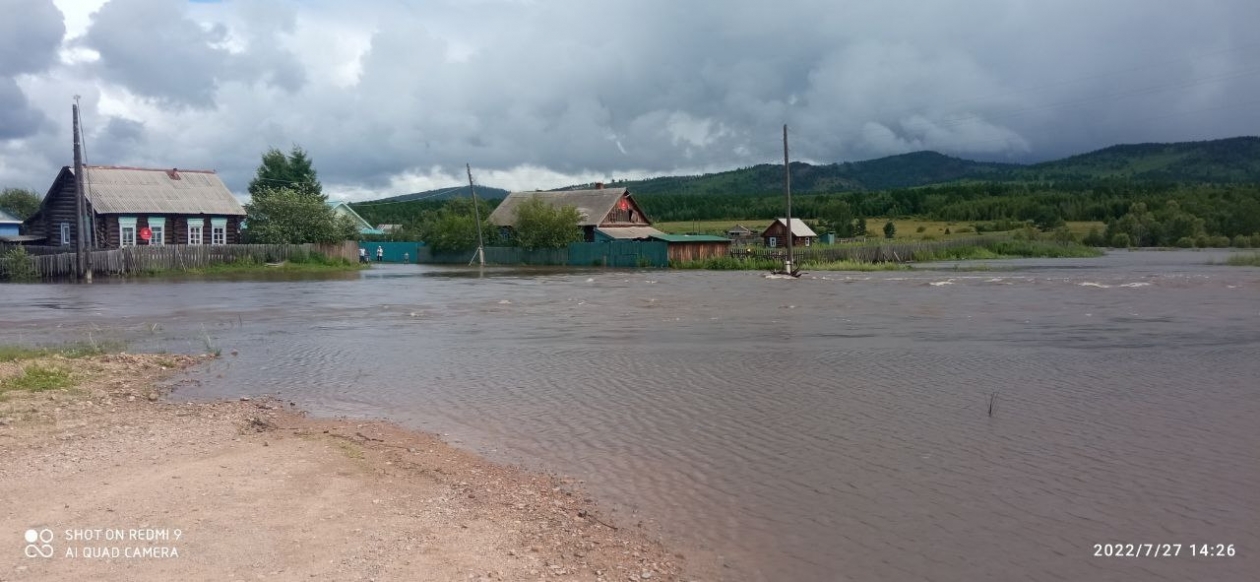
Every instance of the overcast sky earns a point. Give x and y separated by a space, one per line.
394 96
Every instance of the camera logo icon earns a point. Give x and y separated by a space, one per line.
39 543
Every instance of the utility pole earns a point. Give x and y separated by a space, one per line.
787 189
80 243
481 252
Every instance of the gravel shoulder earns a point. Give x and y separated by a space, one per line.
255 490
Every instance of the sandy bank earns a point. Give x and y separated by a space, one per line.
253 490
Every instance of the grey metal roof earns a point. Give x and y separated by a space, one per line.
630 232
593 205
6 217
799 228
119 190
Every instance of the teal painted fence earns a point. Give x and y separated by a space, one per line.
623 254
395 252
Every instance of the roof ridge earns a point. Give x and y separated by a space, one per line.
106 167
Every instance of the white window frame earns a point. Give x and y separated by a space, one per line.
218 231
157 226
65 234
127 231
773 242
196 231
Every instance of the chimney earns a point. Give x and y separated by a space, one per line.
599 185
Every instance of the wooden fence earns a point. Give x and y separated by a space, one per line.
866 253
141 259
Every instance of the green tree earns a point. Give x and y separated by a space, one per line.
837 215
294 171
890 229
19 202
292 216
453 228
540 226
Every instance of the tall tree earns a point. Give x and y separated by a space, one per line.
19 202
294 171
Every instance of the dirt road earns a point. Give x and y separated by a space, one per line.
113 482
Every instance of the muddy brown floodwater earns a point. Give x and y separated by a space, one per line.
831 428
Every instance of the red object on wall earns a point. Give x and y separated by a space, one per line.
625 204
145 234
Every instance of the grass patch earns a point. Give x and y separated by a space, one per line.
36 378
1009 249
11 353
1244 260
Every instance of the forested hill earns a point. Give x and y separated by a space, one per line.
447 194
1223 161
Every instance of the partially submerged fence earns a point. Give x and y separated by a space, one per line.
142 259
617 253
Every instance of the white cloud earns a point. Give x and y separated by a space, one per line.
391 96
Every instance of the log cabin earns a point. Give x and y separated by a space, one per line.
775 235
129 206
606 213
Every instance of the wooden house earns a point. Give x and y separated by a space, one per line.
606 213
138 206
775 235
695 247
343 209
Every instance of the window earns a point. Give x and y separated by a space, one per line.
157 228
774 242
65 233
195 227
126 231
218 231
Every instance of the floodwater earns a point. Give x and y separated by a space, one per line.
835 427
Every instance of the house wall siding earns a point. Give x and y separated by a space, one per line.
176 232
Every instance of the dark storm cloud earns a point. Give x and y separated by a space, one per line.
28 45
376 89
659 85
154 49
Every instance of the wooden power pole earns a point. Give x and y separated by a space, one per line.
80 241
481 251
787 189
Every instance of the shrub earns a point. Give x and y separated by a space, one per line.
1242 242
1219 242
18 265
920 229
1201 241
1094 238
1185 242
1120 240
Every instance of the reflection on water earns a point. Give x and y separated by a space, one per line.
830 428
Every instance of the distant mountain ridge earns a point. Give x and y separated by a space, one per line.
486 192
1228 161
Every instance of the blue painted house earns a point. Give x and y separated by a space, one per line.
9 224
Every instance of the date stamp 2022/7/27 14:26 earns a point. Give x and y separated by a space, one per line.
1165 550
